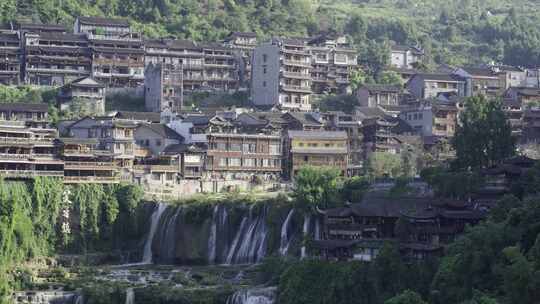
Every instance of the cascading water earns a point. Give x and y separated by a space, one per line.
249 245
130 296
154 221
167 235
305 231
212 239
285 241
264 295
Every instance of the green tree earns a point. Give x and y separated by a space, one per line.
316 186
406 297
483 136
390 78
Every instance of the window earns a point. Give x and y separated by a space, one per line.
250 148
221 146
223 162
264 84
169 176
156 176
264 70
275 149
158 142
235 147
249 162
306 158
265 58
415 116
234 162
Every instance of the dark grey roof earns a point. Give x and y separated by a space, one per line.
163 131
172 44
480 71
242 34
63 37
40 27
370 112
24 107
304 118
182 148
381 88
103 21
141 116
526 91
196 119
317 134
437 77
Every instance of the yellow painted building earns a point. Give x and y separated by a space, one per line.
318 149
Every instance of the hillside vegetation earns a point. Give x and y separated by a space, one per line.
455 32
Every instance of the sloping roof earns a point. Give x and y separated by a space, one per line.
437 77
197 119
305 118
480 71
103 21
233 35
40 27
182 148
88 82
63 37
163 130
370 112
141 116
317 134
525 91
24 107
381 88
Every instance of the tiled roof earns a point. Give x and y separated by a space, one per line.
437 77
24 107
318 134
381 88
141 116
163 131
103 21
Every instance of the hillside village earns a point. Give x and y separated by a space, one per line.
221 153
173 149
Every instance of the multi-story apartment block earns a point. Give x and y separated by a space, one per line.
281 75
27 144
10 58
317 149
425 86
163 88
244 44
89 93
333 63
220 67
405 57
85 162
511 76
117 51
244 156
114 135
55 59
181 57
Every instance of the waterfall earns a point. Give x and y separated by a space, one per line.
79 299
154 221
284 243
167 233
265 295
249 245
317 233
305 231
212 239
130 296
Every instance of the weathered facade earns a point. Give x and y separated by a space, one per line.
55 59
372 95
425 86
281 75
250 157
11 58
85 93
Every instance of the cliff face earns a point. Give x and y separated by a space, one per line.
225 233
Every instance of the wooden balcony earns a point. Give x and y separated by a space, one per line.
157 168
73 165
25 141
294 88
